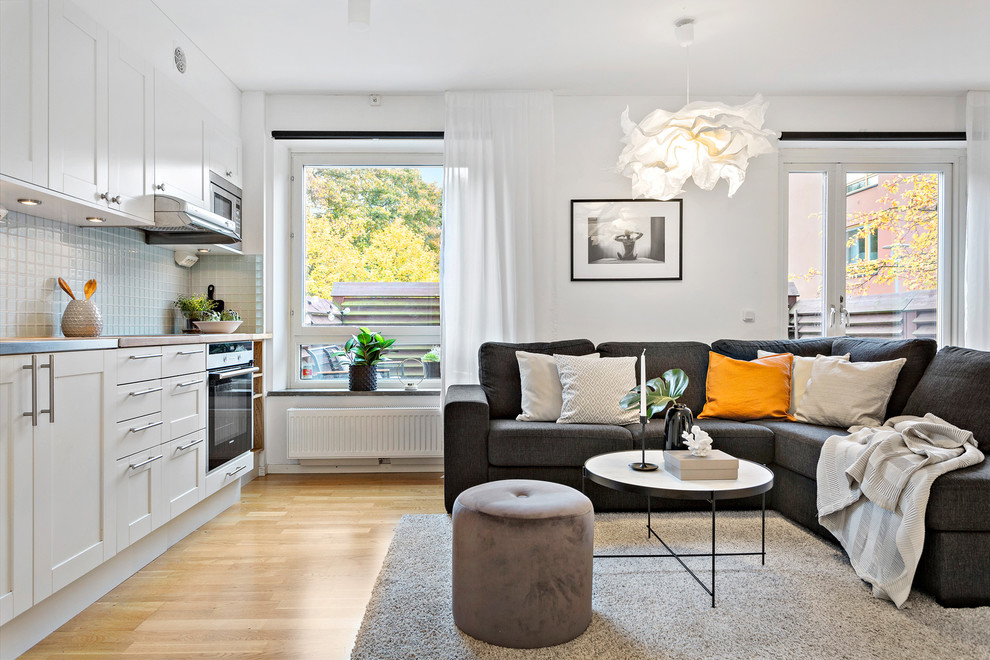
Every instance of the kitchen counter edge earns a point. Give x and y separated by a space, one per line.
21 346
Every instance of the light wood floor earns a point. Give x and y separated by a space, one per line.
286 573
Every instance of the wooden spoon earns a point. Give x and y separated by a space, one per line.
65 287
90 288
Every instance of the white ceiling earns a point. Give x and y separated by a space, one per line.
596 46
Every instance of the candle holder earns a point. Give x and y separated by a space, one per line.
642 465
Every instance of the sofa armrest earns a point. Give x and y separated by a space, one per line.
465 440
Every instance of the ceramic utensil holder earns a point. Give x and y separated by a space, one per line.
82 319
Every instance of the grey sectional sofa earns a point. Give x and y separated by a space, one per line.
483 442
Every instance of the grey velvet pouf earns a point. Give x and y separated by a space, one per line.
522 563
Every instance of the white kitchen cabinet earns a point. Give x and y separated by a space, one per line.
24 90
141 506
225 153
131 133
16 440
181 150
185 402
185 472
229 472
73 498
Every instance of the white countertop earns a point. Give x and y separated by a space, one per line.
22 345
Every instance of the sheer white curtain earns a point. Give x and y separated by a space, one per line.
977 291
498 177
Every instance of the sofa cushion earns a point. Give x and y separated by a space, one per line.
956 387
745 349
498 371
748 441
512 443
917 352
960 499
797 446
689 356
748 389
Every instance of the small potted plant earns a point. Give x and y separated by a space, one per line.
431 362
661 392
193 308
365 350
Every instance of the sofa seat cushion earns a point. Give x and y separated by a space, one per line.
498 371
689 356
746 349
747 441
960 499
535 444
918 353
956 387
797 446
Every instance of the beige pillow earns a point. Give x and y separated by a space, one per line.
801 374
592 387
848 393
541 392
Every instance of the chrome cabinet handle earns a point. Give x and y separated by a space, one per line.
227 173
138 429
199 352
240 372
115 199
160 186
191 444
230 474
51 389
33 367
134 466
147 391
145 357
190 382
105 196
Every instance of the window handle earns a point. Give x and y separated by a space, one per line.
831 316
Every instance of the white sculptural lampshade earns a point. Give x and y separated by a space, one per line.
702 141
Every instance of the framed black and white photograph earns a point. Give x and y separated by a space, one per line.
626 239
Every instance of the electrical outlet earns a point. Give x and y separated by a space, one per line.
749 316
375 99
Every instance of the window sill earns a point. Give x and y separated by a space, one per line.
328 392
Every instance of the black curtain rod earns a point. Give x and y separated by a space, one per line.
862 136
357 135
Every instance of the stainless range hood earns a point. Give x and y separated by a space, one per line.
177 222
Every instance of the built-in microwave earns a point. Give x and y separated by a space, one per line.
226 200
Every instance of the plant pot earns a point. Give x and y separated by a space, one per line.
432 369
81 318
362 378
678 420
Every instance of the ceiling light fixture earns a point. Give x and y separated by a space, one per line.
359 14
29 202
704 141
95 219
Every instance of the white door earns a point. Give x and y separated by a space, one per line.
140 495
185 472
131 133
181 155
24 90
184 404
73 500
77 104
225 153
16 438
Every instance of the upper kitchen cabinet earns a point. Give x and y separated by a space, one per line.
225 153
24 90
181 149
100 119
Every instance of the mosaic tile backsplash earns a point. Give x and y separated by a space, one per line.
136 282
237 280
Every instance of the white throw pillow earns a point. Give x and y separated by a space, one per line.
592 388
542 395
801 373
848 393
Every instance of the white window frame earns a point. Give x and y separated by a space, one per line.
907 157
360 153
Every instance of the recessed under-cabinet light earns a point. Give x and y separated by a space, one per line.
95 219
204 250
29 202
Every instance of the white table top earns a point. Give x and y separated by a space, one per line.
613 470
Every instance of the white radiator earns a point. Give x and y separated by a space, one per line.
364 432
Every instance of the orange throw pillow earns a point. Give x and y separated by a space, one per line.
741 390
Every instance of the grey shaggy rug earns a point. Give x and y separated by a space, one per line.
806 602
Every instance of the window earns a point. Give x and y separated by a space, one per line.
861 244
857 182
366 252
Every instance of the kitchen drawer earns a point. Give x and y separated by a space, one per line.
229 473
138 400
138 434
185 472
184 405
137 364
139 487
183 359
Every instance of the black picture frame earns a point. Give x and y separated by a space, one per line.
601 228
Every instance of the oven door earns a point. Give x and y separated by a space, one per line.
231 415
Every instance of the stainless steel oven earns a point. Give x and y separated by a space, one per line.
230 412
225 200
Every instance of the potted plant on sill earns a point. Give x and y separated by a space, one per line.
365 350
193 308
431 362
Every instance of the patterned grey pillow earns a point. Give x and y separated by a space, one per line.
592 387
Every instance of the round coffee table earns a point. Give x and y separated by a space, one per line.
613 471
